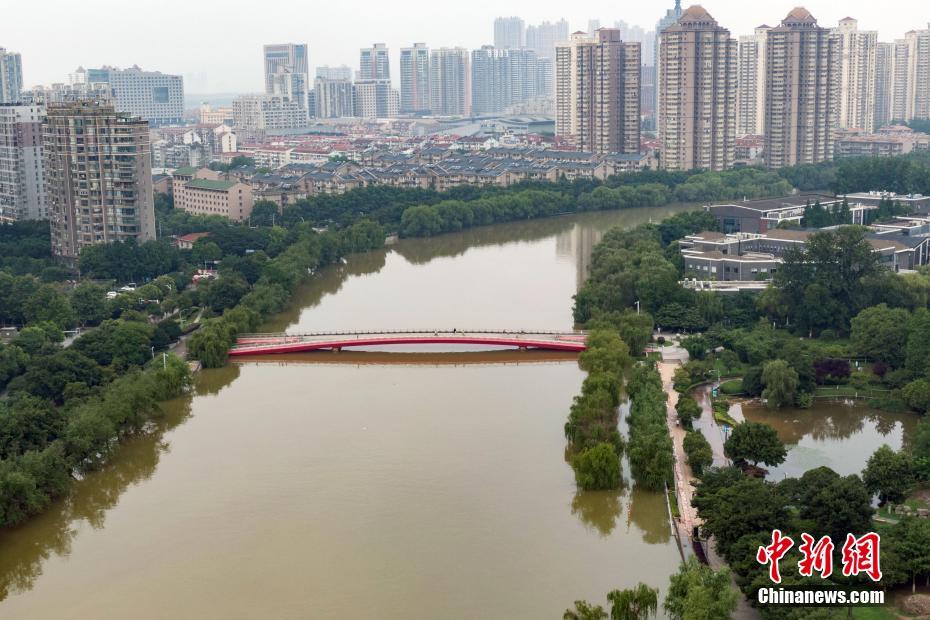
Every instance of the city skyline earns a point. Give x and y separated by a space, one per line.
239 69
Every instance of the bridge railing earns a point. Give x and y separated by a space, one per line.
456 331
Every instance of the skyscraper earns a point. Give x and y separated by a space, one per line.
375 99
342 72
697 93
508 32
750 98
98 171
11 76
598 92
917 104
884 68
490 80
287 73
670 18
22 176
414 79
802 91
543 37
632 33
901 100
334 98
286 57
151 95
857 75
450 82
374 63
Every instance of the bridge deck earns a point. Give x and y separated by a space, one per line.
265 344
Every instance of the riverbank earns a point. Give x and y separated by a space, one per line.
363 473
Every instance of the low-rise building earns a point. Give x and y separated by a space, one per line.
229 199
915 203
759 216
741 256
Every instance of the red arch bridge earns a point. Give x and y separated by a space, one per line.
265 344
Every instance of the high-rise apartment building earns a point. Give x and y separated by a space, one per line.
598 92
375 99
884 68
414 79
285 58
153 96
750 97
374 63
802 91
542 38
917 104
632 33
342 72
22 177
11 76
858 50
287 73
257 114
697 93
490 80
501 78
669 19
508 32
334 98
98 172
450 82
901 100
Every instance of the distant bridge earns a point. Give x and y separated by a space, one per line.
265 344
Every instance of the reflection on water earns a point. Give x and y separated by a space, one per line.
51 533
598 509
837 435
368 484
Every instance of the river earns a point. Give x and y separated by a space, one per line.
401 484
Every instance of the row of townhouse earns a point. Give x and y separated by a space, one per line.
300 180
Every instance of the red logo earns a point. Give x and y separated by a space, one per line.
859 555
773 553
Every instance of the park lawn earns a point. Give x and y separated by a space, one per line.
733 387
870 613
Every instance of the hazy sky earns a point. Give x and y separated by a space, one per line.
217 44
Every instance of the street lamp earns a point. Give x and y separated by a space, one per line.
637 306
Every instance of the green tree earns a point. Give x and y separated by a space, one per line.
687 409
89 301
834 505
636 603
697 592
917 353
755 442
733 506
917 395
49 304
881 332
263 213
584 610
909 540
597 468
888 474
696 346
781 384
699 452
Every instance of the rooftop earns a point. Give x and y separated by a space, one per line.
208 184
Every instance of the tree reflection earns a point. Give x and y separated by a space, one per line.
598 510
649 513
26 548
